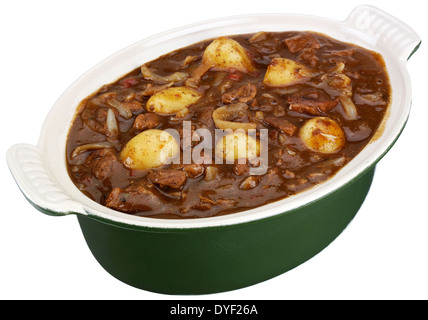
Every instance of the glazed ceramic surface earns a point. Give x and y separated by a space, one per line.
228 252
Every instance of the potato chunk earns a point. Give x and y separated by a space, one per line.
172 100
323 135
238 145
149 149
283 72
224 54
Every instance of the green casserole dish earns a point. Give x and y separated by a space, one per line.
226 252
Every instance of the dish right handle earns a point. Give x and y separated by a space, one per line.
386 29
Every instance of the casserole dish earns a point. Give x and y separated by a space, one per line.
237 250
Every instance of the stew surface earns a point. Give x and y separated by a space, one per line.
251 119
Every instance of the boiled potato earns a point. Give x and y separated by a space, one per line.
283 72
323 135
172 100
224 54
237 145
149 149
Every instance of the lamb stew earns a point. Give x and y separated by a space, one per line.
227 124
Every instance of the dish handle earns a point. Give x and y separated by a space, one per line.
386 29
28 168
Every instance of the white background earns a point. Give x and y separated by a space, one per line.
46 45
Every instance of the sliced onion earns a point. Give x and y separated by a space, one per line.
328 164
175 77
372 99
250 183
123 109
223 115
210 173
286 91
151 89
218 78
197 74
261 35
189 60
90 146
339 68
111 122
349 107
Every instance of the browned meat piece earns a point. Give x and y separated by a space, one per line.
282 125
266 43
95 119
205 117
240 168
168 177
133 199
273 134
311 101
302 41
146 121
103 163
308 56
133 105
243 94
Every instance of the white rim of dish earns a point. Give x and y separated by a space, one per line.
360 28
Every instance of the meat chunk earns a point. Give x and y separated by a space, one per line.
240 168
146 121
311 101
266 43
103 162
302 41
243 94
168 178
133 105
205 117
133 199
95 118
282 125
308 56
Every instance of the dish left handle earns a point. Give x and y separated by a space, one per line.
28 168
